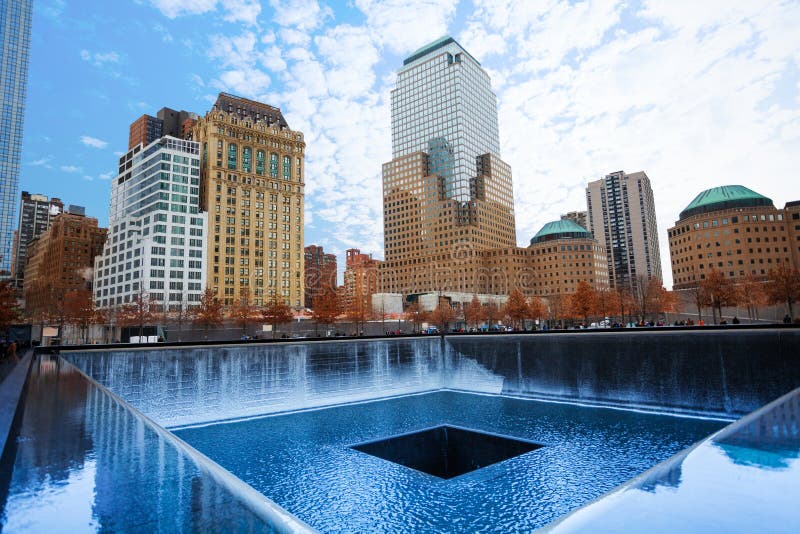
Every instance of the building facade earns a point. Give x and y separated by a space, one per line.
622 217
563 254
252 169
147 128
36 212
578 217
447 195
156 240
320 273
360 282
60 260
15 21
735 231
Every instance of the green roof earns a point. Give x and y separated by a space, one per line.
435 45
725 197
561 229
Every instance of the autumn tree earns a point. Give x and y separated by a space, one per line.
492 312
517 308
583 301
624 302
442 316
326 307
242 313
137 313
783 286
80 311
536 308
9 312
415 315
474 313
751 294
276 313
556 307
719 291
208 313
606 302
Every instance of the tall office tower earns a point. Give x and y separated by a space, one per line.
147 128
252 188
15 22
156 238
622 216
35 215
60 261
320 273
447 195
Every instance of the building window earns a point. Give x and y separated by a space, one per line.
260 162
247 156
287 168
273 165
232 156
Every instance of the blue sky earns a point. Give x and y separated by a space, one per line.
696 94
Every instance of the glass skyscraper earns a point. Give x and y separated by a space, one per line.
444 105
15 31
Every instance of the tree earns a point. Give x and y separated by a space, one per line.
606 302
326 307
208 313
517 308
492 313
556 307
242 313
80 311
276 313
442 316
583 302
536 308
9 313
415 314
719 291
624 302
136 313
751 294
783 286
474 313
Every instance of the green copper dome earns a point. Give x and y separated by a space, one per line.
561 229
725 197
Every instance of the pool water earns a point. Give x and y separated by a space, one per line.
305 461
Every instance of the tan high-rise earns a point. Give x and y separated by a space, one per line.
447 195
622 217
251 168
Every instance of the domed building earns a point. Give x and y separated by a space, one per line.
735 230
563 254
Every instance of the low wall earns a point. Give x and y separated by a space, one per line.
717 372
181 386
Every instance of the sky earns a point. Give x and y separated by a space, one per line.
696 94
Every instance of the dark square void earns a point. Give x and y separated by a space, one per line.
447 451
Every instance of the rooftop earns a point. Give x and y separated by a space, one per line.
725 197
250 108
432 47
561 229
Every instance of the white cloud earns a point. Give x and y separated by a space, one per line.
93 142
71 168
99 59
107 175
301 14
245 11
41 162
404 25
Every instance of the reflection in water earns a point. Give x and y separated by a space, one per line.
83 462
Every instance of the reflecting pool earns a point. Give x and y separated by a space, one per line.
304 461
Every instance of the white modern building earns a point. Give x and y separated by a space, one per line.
155 247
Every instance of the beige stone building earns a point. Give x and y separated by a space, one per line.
734 230
252 181
622 217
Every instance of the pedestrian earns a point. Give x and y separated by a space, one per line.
787 319
12 352
735 320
